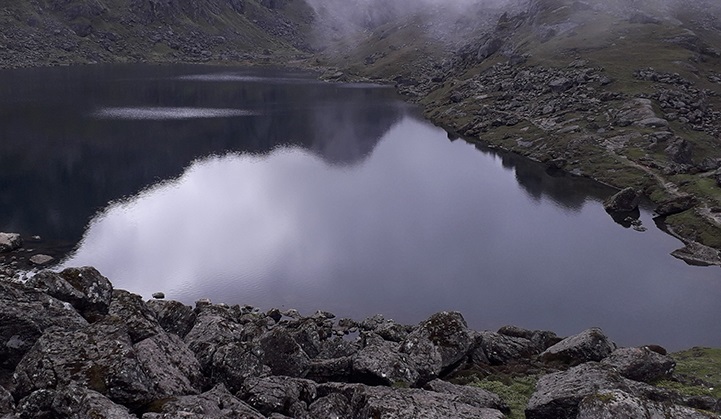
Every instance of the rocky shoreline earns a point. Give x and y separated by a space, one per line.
73 346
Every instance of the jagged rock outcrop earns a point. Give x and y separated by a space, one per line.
125 363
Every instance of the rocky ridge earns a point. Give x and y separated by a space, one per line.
73 346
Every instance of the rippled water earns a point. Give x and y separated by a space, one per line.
327 197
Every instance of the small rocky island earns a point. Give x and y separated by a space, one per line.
73 346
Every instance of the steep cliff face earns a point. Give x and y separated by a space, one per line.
76 31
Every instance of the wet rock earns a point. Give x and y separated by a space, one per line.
675 205
285 395
640 364
10 242
24 315
626 200
140 320
40 260
215 404
497 349
473 396
589 345
619 404
173 316
158 295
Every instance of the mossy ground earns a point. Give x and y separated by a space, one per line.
698 372
514 391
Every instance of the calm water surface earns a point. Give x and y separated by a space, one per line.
268 188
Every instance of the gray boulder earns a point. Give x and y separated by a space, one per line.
558 395
621 405
332 406
675 205
384 402
470 395
101 357
680 151
490 47
140 320
24 315
38 404
212 330
449 334
232 363
285 395
173 316
215 404
80 403
283 354
85 288
589 345
641 364
10 242
626 200
498 349
540 339
332 369
40 260
381 362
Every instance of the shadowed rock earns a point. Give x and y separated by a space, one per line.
217 403
626 200
641 364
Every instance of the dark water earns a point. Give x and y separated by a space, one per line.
268 188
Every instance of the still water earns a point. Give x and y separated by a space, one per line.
271 189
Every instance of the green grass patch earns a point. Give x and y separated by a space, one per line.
699 372
514 391
690 224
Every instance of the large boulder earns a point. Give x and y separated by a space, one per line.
626 200
449 334
140 320
78 402
384 402
621 405
215 404
101 357
675 205
381 362
24 315
10 242
558 395
282 354
285 395
499 349
641 364
589 345
680 151
85 288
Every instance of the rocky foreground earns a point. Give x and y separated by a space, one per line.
72 346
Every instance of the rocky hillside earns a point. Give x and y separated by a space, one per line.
88 31
71 346
623 92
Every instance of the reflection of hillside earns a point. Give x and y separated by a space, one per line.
60 166
568 191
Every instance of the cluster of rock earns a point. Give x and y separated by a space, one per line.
72 346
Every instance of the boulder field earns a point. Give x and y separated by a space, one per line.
73 346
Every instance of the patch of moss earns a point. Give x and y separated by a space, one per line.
690 224
698 373
514 391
